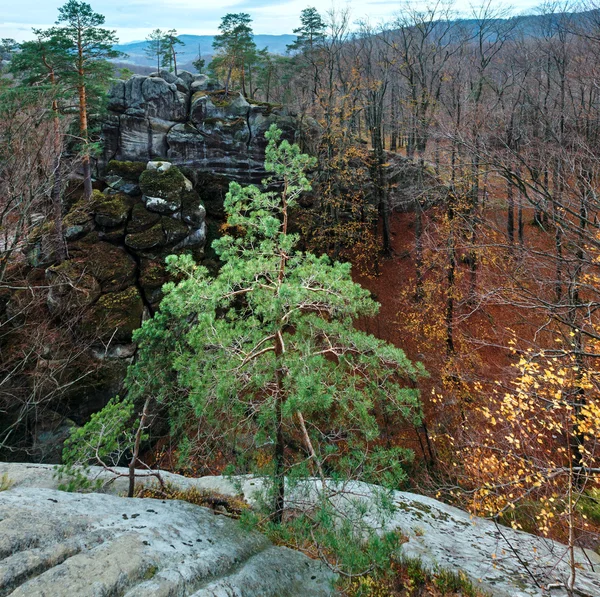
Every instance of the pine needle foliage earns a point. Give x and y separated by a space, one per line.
267 353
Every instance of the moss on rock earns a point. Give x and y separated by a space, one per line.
110 265
128 170
165 185
153 273
113 211
148 239
141 219
116 315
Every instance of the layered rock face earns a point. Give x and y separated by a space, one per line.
87 306
185 120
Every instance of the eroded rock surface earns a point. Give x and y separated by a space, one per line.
185 120
499 560
92 545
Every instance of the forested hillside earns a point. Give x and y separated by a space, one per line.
367 254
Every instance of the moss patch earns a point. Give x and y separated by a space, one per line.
153 274
141 219
165 185
113 211
149 239
127 170
110 265
221 504
116 315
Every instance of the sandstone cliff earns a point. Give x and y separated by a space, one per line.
186 120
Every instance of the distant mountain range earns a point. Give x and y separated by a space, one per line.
526 25
194 44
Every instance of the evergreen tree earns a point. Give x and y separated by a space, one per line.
234 47
89 48
310 32
7 49
171 41
156 48
267 349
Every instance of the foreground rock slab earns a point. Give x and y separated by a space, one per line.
61 544
498 560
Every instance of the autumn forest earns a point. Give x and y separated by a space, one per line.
408 299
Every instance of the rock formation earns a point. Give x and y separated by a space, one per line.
187 121
67 545
499 560
94 299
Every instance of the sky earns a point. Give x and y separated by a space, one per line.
134 19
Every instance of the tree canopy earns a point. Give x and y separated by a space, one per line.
267 351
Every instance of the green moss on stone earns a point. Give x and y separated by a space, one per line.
220 99
153 274
113 211
198 95
111 265
128 170
141 219
148 239
118 313
269 106
165 185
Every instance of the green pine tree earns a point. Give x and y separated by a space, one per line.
156 48
171 42
234 47
267 350
87 70
310 32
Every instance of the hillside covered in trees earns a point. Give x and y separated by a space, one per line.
369 258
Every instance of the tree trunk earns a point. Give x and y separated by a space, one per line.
83 125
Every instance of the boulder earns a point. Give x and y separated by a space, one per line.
115 316
192 210
196 239
163 100
110 265
200 83
238 107
148 239
120 185
159 205
203 108
125 169
174 230
187 77
166 75
87 545
160 167
153 274
141 219
168 184
71 288
113 212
